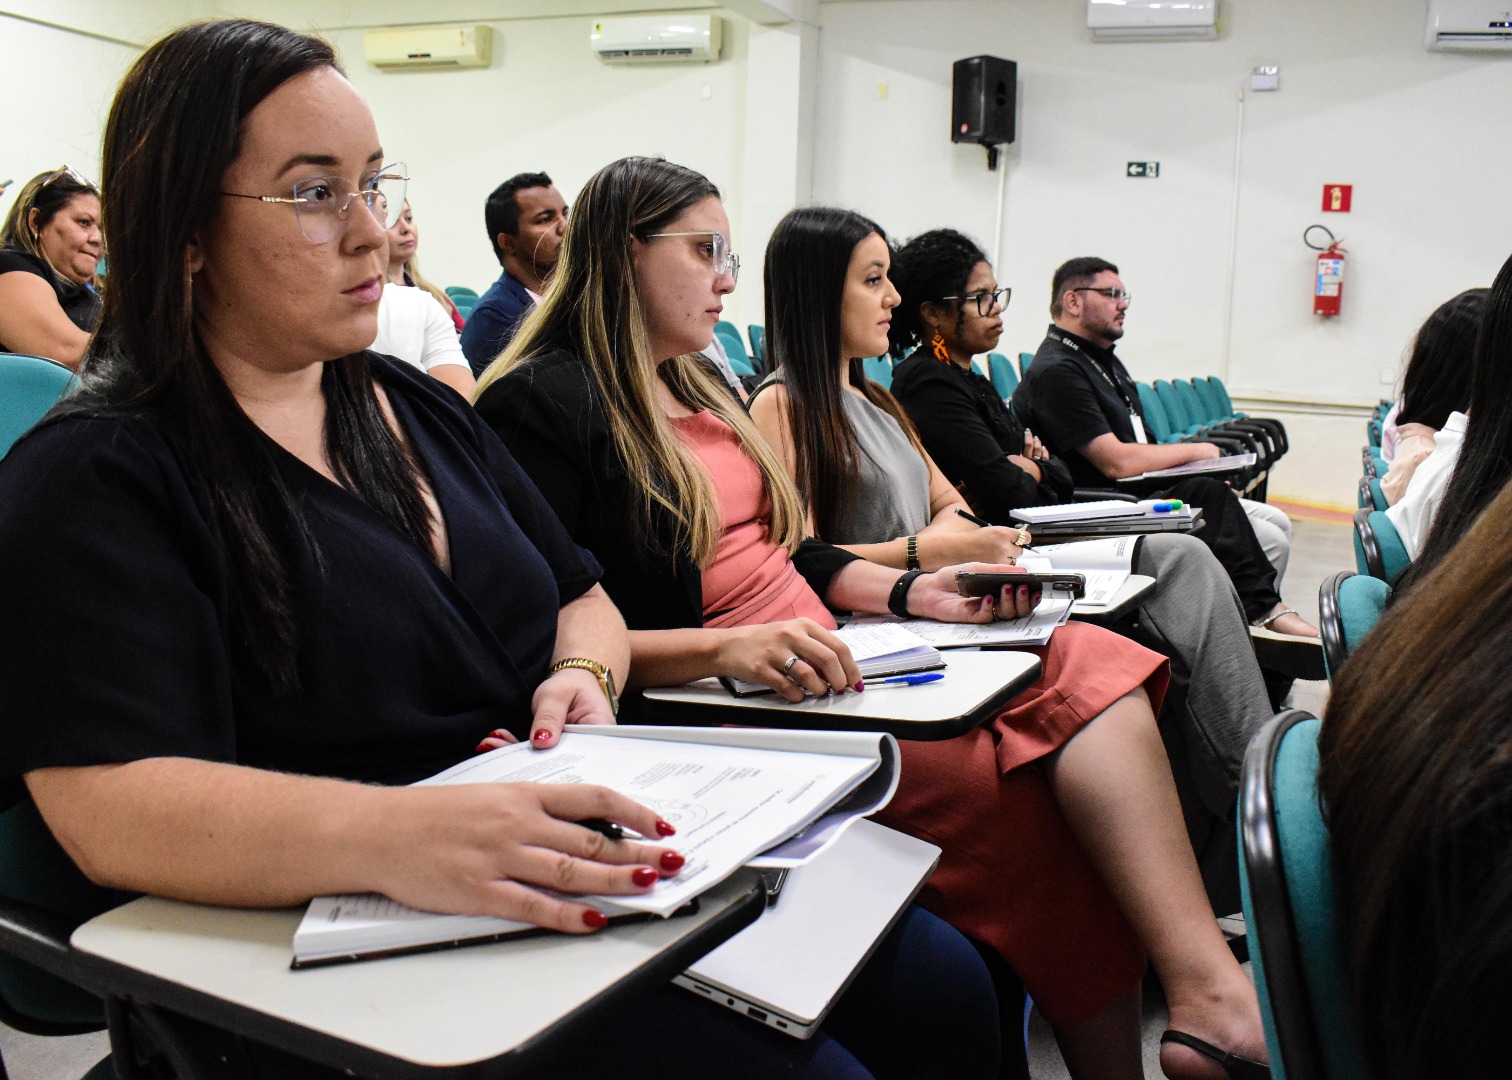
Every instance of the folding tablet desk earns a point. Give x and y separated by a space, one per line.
976 686
484 1010
1129 594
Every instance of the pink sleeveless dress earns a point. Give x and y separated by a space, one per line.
1011 874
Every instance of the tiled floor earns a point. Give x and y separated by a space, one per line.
1319 547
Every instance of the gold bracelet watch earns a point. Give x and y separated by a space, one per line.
597 670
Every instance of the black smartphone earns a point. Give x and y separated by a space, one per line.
987 583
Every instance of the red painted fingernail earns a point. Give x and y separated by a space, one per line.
645 876
543 735
1023 592
595 919
499 733
664 828
860 685
482 746
671 861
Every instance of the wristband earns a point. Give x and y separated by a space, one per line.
599 671
911 552
897 600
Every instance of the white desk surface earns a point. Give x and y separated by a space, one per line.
1129 593
975 686
448 1008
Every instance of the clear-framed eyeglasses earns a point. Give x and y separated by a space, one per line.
986 301
321 203
721 257
1115 295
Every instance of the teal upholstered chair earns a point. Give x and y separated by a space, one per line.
459 293
1379 550
1157 421
1287 888
734 348
1349 606
758 345
879 370
1004 379
29 386
1025 359
1370 494
725 326
1373 432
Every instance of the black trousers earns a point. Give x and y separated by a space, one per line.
1226 531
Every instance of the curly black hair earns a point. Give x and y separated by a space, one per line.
931 265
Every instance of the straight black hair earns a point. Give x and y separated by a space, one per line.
1485 458
1437 380
804 278
1075 273
501 210
173 131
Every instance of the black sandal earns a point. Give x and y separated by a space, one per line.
1238 1068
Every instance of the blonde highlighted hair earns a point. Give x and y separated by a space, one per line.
592 307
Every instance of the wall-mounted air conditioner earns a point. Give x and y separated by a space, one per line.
677 37
1152 20
411 48
1469 24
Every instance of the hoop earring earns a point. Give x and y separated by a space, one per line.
937 346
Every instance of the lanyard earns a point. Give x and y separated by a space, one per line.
1114 383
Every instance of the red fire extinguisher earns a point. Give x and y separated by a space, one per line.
1328 281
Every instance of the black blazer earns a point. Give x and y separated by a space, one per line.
551 418
970 432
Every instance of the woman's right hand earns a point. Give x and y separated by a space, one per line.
947 547
760 654
489 849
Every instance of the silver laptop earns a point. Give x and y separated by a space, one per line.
789 967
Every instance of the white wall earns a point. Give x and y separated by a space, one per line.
1360 102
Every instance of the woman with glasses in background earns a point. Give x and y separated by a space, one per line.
49 247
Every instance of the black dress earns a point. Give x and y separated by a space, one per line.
115 643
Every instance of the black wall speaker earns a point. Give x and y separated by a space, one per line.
982 105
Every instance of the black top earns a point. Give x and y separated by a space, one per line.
1073 392
114 639
970 432
79 302
549 415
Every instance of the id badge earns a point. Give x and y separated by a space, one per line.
1139 429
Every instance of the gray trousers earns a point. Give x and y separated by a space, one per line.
1217 699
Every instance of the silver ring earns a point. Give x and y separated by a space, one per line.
787 667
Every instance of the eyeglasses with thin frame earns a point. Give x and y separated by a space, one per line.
1112 294
723 260
986 301
321 202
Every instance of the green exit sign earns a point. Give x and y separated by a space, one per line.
1144 169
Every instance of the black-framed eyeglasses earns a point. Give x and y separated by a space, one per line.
986 301
1112 294
723 260
321 202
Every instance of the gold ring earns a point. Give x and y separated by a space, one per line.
1023 537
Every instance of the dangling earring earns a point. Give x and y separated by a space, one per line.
937 346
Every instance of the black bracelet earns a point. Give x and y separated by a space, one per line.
897 600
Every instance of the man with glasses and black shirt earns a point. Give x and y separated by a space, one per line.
1078 397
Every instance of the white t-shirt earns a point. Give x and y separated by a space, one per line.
415 328
1413 516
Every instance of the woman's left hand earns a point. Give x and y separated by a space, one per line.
934 596
571 696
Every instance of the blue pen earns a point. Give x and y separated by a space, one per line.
1168 506
907 680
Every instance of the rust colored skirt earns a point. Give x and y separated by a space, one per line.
1011 874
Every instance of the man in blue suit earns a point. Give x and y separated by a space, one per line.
526 218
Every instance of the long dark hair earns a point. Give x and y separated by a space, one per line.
804 277
1485 458
1416 780
173 131
1437 380
931 265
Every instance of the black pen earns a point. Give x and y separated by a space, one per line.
969 516
604 828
